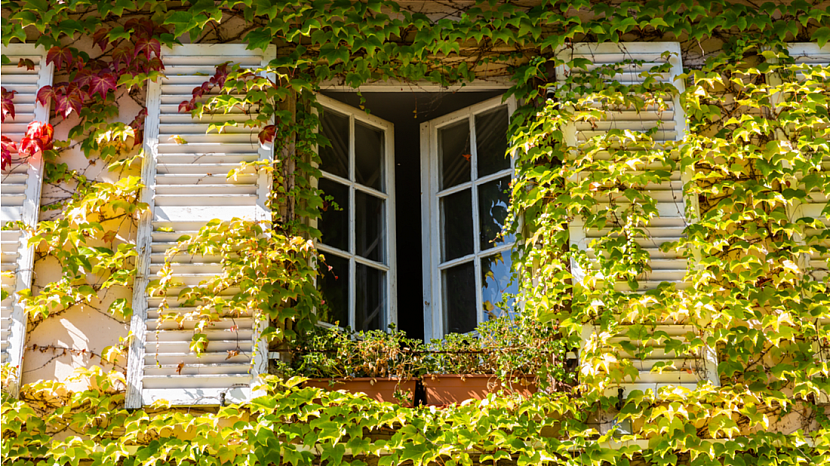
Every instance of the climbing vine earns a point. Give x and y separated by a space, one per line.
752 156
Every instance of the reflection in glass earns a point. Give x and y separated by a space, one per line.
369 227
368 156
459 285
454 153
334 217
491 141
335 158
496 272
370 298
456 211
493 202
334 287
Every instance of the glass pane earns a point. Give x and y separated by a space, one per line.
370 298
334 218
493 202
491 141
454 154
370 228
334 286
457 212
335 159
368 153
496 271
459 285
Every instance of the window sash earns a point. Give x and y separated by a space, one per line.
434 264
388 266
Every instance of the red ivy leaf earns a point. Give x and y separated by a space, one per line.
46 94
267 134
187 106
147 46
138 124
122 55
102 83
101 38
8 104
156 64
143 27
60 56
138 121
72 100
38 138
83 78
8 146
26 63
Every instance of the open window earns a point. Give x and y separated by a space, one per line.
416 194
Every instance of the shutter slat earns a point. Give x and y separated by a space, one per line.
20 187
189 186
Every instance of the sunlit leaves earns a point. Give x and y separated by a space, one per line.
7 103
37 139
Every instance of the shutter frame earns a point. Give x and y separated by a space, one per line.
28 214
203 55
580 237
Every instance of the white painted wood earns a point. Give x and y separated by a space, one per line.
479 85
20 188
675 211
432 221
185 187
388 195
427 173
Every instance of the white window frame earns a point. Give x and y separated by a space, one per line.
355 114
431 224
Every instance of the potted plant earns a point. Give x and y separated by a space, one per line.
507 354
374 363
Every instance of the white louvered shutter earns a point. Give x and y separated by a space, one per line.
668 226
815 264
20 196
813 55
186 186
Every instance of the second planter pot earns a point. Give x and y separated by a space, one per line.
444 390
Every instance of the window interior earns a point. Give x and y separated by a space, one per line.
406 110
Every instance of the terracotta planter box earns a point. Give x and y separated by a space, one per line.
378 389
444 390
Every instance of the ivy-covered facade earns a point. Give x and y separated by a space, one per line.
625 201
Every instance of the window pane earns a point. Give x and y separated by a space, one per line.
334 218
491 141
370 298
334 286
493 202
370 227
368 153
457 213
454 154
496 271
335 159
459 285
